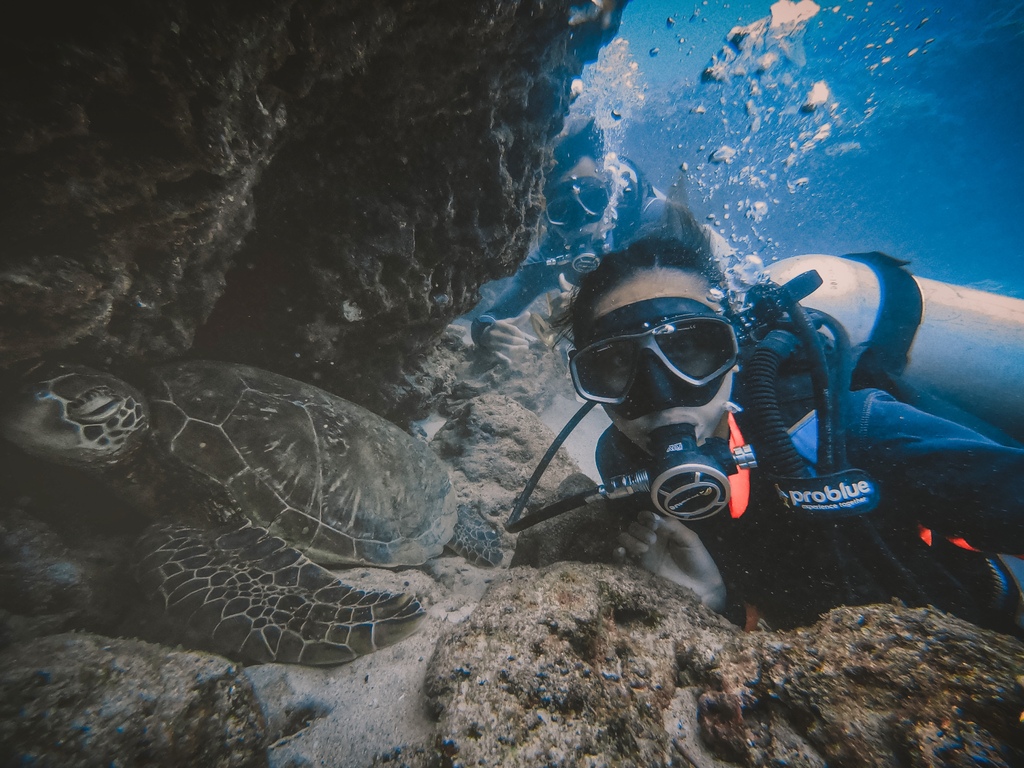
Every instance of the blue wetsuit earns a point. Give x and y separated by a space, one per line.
933 474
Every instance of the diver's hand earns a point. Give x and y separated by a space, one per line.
558 302
669 549
505 339
545 326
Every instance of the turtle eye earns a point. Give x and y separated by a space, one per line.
94 406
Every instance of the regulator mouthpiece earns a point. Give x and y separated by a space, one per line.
687 481
690 482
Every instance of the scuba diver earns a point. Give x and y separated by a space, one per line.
596 202
757 476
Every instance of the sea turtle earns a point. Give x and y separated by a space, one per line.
257 481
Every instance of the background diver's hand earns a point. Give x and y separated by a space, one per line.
505 339
546 326
669 549
558 301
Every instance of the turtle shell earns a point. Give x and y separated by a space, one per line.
332 479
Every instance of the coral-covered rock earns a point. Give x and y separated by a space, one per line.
878 685
48 587
597 665
85 700
569 665
392 154
493 444
587 534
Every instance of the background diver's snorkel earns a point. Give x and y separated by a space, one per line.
690 482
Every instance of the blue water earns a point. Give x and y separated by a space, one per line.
934 142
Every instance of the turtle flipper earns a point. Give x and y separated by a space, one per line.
476 541
252 596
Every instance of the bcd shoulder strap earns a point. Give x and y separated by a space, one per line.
901 307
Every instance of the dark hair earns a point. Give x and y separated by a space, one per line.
650 252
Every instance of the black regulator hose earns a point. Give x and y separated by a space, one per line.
775 450
785 301
514 524
841 381
824 391
517 523
832 489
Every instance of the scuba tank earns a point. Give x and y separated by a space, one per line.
952 351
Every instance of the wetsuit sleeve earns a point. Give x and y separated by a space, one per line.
956 482
527 284
530 281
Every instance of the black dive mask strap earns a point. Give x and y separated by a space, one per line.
641 315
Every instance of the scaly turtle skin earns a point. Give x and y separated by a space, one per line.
264 480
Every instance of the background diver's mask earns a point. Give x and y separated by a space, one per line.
655 355
577 202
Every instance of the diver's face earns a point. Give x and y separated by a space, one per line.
577 205
657 396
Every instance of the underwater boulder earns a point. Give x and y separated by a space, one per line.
493 443
393 154
49 586
85 700
592 663
568 665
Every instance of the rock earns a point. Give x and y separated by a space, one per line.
138 138
37 574
593 664
493 443
534 381
588 534
880 685
47 586
85 700
568 665
393 154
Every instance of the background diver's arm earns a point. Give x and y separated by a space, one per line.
532 280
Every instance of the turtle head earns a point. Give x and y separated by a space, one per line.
76 416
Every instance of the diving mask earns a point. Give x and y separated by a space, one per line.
692 342
577 202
